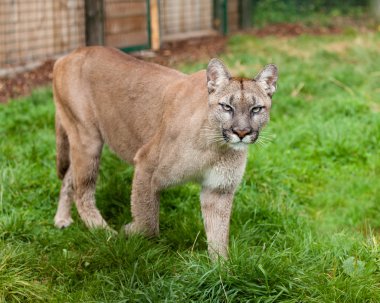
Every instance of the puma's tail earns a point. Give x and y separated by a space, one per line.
63 148
62 140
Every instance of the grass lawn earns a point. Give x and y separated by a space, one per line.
306 218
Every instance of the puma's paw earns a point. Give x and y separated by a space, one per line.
133 229
130 229
62 222
111 232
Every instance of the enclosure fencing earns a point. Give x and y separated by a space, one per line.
36 29
33 30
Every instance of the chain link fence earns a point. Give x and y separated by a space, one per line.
35 29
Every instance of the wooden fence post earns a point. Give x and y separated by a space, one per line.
155 25
245 12
94 22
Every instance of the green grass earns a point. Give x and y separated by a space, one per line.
306 218
311 13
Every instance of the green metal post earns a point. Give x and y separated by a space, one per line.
148 44
148 25
245 14
220 16
225 16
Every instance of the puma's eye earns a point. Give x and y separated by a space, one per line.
257 109
226 107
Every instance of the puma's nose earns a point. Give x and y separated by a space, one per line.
242 132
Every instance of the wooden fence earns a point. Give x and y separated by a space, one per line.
32 30
126 23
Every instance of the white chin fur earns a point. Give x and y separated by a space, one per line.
247 139
234 139
239 146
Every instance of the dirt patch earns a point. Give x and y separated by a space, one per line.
190 50
23 83
283 45
338 47
294 29
375 107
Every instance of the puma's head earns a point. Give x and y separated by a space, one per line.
238 107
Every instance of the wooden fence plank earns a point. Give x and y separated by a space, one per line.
155 25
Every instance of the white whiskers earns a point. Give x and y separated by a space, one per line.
265 138
212 135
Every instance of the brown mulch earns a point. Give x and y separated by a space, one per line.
189 50
23 83
170 54
294 29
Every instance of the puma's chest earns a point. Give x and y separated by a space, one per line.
225 174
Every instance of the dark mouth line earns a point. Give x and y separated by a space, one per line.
225 136
228 140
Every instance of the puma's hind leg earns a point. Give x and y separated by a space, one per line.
85 150
62 217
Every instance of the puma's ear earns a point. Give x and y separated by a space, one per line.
217 75
268 78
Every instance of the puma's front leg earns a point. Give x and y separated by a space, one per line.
216 207
144 204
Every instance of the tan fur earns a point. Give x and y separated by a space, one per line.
171 126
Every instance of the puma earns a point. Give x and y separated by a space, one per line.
173 127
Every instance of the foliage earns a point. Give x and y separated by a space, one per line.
305 220
309 12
